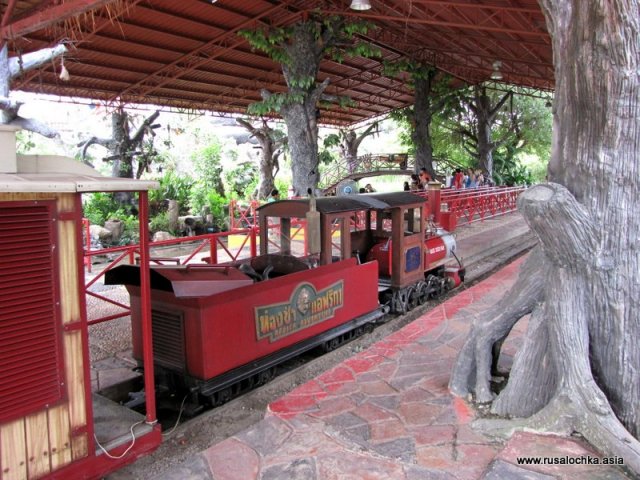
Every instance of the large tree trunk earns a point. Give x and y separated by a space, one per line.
302 131
123 147
122 165
485 144
485 117
268 165
585 332
422 131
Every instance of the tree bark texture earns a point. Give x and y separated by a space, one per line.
305 51
271 150
596 155
11 68
302 131
485 114
585 333
124 147
423 112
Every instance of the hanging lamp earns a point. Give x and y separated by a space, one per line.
360 5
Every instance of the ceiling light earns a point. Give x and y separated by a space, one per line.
360 5
496 74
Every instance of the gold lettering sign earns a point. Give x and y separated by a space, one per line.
305 308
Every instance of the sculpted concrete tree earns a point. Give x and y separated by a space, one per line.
431 94
578 368
299 49
11 68
478 134
348 141
127 151
272 143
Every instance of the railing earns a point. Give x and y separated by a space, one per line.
363 166
475 204
470 205
466 205
243 216
216 245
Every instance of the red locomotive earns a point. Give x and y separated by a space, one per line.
328 269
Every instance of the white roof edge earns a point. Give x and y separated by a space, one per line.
54 173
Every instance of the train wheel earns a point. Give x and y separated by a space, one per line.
331 345
421 293
414 297
402 300
221 397
265 376
433 287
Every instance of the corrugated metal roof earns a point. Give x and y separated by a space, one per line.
188 54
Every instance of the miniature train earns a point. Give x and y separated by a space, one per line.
219 330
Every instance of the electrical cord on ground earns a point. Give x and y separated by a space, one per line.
133 442
172 429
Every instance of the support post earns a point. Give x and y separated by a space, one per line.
434 200
145 305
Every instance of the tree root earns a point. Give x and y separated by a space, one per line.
473 366
567 414
552 380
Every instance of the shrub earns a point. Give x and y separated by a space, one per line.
173 186
100 207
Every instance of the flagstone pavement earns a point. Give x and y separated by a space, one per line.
386 413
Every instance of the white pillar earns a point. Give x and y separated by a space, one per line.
8 162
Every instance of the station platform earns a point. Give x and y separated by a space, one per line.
386 413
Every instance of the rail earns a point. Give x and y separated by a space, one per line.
242 215
220 247
470 205
475 205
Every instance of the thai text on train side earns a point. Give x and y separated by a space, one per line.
305 308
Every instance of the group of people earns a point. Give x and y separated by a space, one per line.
469 179
367 189
457 179
419 181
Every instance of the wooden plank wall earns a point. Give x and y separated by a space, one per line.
44 441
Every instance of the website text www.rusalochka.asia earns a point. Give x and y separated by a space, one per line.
567 460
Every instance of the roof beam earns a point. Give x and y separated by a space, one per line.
5 21
439 23
48 16
195 58
492 8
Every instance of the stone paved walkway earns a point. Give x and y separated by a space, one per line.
386 413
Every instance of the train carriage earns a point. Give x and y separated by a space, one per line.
323 267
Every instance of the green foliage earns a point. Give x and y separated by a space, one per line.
160 223
99 207
240 179
510 172
275 103
282 186
331 140
321 36
131 232
208 166
24 142
216 204
173 186
269 42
